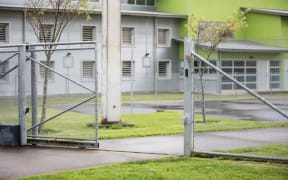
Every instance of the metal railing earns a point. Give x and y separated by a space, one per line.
21 50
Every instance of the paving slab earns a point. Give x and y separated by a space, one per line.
29 160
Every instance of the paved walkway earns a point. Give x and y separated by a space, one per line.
27 161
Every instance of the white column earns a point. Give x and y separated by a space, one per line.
111 54
263 75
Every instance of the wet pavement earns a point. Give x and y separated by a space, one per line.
27 161
250 109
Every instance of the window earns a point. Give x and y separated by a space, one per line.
45 33
50 73
3 70
243 71
88 69
128 35
4 32
150 2
164 69
206 69
275 75
89 0
88 33
210 28
128 68
139 2
163 38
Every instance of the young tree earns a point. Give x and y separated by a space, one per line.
58 13
212 34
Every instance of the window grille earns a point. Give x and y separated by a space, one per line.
128 69
3 70
127 36
88 69
88 33
164 69
45 33
275 74
243 71
50 73
139 2
4 27
205 68
163 37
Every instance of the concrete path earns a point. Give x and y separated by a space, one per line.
209 141
26 161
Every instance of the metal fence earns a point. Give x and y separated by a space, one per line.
72 75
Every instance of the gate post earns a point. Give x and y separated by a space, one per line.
34 92
22 94
188 118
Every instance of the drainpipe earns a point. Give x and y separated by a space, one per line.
154 54
24 28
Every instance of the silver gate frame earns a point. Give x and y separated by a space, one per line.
21 50
188 119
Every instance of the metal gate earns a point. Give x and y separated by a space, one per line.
30 69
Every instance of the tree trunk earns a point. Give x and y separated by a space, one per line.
45 90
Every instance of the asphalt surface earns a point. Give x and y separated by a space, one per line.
250 109
27 161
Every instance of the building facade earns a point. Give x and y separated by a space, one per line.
152 46
257 55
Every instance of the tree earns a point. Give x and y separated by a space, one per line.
212 34
59 13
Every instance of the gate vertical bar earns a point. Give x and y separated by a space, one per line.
34 93
96 92
188 119
22 94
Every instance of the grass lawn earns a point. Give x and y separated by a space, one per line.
151 97
177 168
74 124
274 150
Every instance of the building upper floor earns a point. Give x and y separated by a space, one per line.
133 5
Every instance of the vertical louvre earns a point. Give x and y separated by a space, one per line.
50 73
88 69
45 33
127 69
88 33
3 32
3 69
163 35
163 69
127 35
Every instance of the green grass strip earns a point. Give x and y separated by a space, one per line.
273 150
176 168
